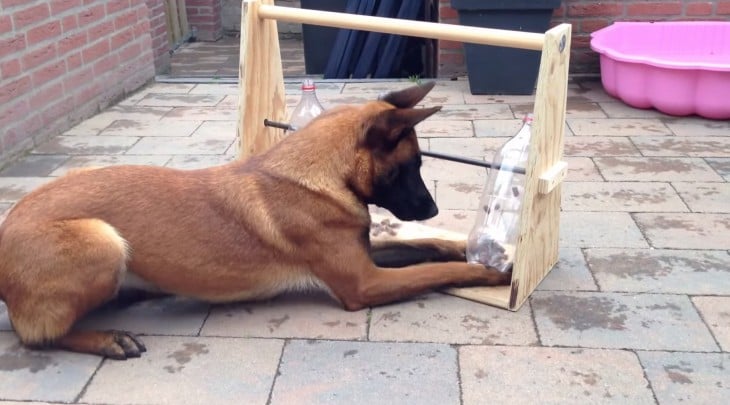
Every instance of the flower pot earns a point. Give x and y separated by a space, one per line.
500 70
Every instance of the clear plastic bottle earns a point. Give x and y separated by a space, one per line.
308 107
493 238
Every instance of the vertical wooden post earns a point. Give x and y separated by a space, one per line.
537 246
261 82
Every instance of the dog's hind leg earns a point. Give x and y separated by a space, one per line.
54 273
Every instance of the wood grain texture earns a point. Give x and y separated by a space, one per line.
261 82
537 244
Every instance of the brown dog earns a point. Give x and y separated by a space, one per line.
294 217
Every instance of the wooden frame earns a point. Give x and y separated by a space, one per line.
262 96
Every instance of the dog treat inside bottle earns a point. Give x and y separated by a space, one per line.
308 107
493 238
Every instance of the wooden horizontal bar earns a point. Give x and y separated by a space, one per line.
423 29
552 177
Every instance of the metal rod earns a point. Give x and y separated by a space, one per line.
457 159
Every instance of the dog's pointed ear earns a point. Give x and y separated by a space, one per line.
408 98
390 126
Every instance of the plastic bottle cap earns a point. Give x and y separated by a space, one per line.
308 85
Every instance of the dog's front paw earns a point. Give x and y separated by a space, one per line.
123 345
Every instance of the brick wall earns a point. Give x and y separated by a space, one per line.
158 31
588 16
205 17
63 60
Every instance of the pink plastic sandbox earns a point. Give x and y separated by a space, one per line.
678 67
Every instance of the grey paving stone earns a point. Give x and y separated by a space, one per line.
599 229
575 108
4 320
617 127
716 313
189 162
177 370
202 114
129 127
86 145
541 375
444 170
661 271
582 169
42 375
688 378
445 129
181 146
599 146
721 166
453 220
327 372
164 316
179 100
475 112
222 88
571 273
686 231
497 127
468 147
313 316
13 189
97 123
620 321
162 88
655 169
683 146
705 197
34 166
621 196
498 99
617 109
458 195
695 126
76 162
442 318
217 128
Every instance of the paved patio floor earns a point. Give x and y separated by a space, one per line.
636 312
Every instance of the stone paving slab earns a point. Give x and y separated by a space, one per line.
86 145
184 370
617 127
688 378
127 127
445 129
599 229
156 88
189 162
199 145
458 195
456 220
217 128
476 112
13 189
4 320
721 166
621 196
661 271
76 162
620 321
683 146
99 122
479 148
34 166
716 313
537 375
655 169
495 128
686 231
312 316
165 316
329 372
444 170
695 126
582 169
179 100
571 273
575 108
599 146
42 375
439 318
618 109
202 114
705 197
